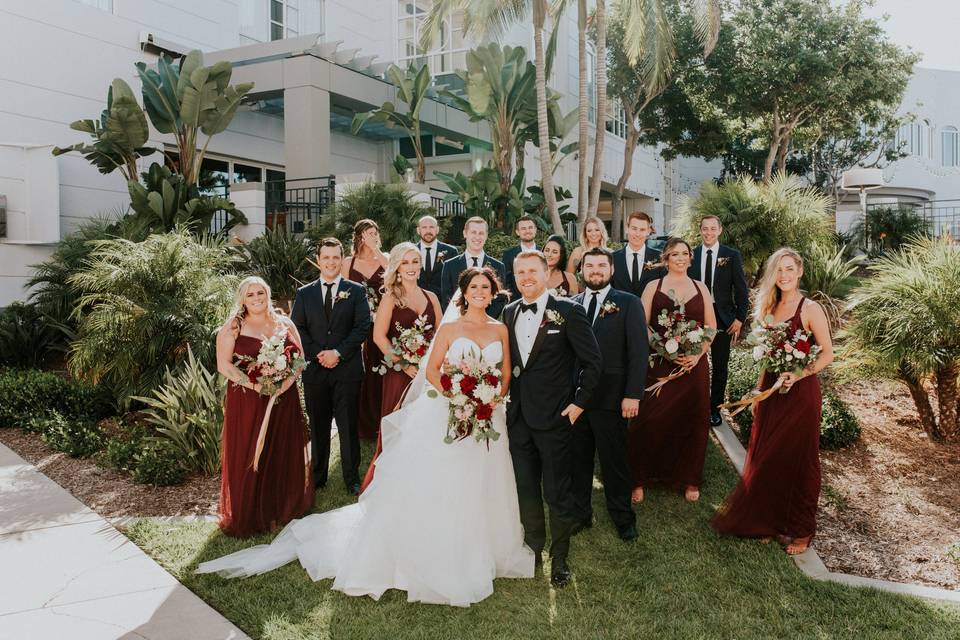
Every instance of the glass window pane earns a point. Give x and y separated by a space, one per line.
276 11
407 29
276 31
246 173
406 8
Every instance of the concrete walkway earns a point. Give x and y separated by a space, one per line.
65 572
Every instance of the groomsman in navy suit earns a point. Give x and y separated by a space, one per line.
433 254
333 318
721 269
475 233
526 231
636 264
619 324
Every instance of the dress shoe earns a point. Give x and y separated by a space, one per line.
354 488
560 573
586 523
629 533
715 419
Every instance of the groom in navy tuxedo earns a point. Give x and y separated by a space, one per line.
618 321
556 371
333 318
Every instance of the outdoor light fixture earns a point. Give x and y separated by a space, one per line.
862 180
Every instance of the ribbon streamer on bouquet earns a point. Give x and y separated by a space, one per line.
262 436
658 385
751 399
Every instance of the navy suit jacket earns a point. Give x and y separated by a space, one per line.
345 331
431 280
511 283
622 336
621 273
731 296
452 269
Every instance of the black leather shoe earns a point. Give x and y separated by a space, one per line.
560 573
715 419
629 533
354 488
586 523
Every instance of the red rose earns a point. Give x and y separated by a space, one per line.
484 411
803 345
490 379
252 375
468 384
446 382
422 350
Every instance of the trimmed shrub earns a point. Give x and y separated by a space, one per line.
27 337
120 451
29 394
159 464
839 427
76 438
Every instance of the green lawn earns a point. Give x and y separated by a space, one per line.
678 581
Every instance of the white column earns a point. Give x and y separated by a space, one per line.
251 199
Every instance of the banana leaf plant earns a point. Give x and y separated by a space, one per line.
118 136
166 201
186 99
412 86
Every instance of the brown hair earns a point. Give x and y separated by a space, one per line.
768 293
671 243
358 229
524 218
711 217
496 289
639 215
597 251
475 220
330 242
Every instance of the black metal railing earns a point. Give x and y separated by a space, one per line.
445 203
297 204
941 216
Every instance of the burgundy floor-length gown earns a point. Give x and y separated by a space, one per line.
778 492
667 441
368 414
395 383
281 489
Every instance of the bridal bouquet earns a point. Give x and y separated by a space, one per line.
373 298
275 363
778 350
408 347
473 387
681 336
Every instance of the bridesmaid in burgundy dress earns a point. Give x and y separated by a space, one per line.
366 267
667 441
281 489
403 303
777 495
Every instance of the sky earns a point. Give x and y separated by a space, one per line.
930 27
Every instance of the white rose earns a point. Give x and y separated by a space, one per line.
788 358
485 393
758 353
280 363
671 346
458 399
695 336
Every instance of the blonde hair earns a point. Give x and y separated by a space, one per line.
391 279
768 293
239 311
604 236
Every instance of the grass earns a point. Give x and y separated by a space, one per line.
679 581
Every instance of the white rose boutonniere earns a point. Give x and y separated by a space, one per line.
650 264
553 316
343 295
723 261
608 308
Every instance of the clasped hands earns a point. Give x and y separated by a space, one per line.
328 358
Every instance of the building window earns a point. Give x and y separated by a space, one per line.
950 146
103 5
616 119
591 84
433 146
448 49
284 19
914 139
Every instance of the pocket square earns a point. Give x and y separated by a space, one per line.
551 331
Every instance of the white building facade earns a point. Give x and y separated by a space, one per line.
314 64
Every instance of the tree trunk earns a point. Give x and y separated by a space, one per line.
922 402
782 154
601 129
629 147
543 131
583 180
946 379
771 159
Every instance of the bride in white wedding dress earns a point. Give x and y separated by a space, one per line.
439 521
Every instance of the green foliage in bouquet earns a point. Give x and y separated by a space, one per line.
187 411
149 303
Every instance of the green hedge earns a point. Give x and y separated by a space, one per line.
28 393
78 438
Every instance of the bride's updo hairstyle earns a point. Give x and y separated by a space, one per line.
768 293
496 289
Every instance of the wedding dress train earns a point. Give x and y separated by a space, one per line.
439 521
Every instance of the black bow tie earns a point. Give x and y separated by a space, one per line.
532 307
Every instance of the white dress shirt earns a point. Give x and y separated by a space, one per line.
433 253
641 254
527 326
528 247
469 256
333 289
703 263
601 296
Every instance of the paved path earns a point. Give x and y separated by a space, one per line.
65 572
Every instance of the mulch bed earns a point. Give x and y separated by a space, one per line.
890 505
111 493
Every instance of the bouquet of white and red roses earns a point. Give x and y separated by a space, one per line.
678 336
276 362
408 347
473 387
778 350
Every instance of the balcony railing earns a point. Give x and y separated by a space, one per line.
297 204
445 203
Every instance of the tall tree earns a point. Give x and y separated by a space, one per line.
600 19
798 61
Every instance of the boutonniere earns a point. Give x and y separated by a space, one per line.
650 264
722 261
552 316
343 295
608 308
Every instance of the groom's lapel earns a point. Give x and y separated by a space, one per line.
542 333
337 302
511 318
